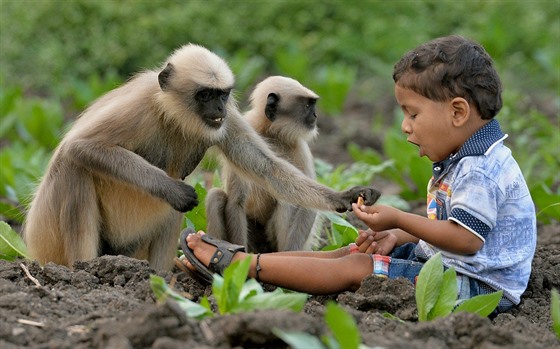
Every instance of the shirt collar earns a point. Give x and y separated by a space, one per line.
479 143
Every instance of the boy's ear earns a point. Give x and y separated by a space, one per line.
461 111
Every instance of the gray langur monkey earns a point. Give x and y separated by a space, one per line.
114 184
282 111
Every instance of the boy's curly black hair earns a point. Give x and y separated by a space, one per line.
449 67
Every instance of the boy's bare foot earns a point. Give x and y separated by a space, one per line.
204 251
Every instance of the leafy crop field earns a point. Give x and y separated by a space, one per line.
57 57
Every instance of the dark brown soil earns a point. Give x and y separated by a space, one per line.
108 303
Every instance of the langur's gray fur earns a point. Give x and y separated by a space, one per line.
283 113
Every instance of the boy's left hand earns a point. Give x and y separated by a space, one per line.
369 241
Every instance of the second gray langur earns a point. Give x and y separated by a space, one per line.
283 112
114 184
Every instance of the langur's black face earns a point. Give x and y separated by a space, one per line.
309 116
301 109
211 105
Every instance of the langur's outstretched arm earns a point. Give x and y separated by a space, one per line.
250 156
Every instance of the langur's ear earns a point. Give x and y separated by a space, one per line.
164 76
271 106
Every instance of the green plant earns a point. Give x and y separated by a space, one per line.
196 218
247 68
345 332
534 143
21 165
331 82
32 120
30 128
82 92
195 310
436 293
339 232
233 294
555 311
11 244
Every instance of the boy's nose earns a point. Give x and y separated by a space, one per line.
405 127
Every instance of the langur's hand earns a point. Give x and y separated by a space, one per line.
382 242
186 198
350 196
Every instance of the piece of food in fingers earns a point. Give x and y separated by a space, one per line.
360 201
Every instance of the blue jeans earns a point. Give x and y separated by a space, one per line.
405 263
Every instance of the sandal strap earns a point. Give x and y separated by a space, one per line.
221 259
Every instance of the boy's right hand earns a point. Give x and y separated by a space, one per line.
380 242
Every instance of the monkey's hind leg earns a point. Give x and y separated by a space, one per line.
298 234
164 244
216 200
226 217
62 225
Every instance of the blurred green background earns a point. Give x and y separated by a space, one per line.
57 56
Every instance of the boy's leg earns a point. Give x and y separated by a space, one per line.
339 252
298 271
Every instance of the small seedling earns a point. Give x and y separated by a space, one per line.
233 294
436 293
194 310
345 332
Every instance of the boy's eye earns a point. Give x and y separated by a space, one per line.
413 116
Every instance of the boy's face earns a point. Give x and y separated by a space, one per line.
428 124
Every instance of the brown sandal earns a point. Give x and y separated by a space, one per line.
220 260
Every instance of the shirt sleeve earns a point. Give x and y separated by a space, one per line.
474 202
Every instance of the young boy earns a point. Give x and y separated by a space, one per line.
480 214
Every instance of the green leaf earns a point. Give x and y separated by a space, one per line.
250 288
447 296
392 317
11 243
273 300
298 340
343 326
196 218
428 286
341 232
162 291
555 311
330 342
227 289
482 305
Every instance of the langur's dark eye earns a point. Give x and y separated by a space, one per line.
224 96
310 103
204 95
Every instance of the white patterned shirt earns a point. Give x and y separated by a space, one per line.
482 189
